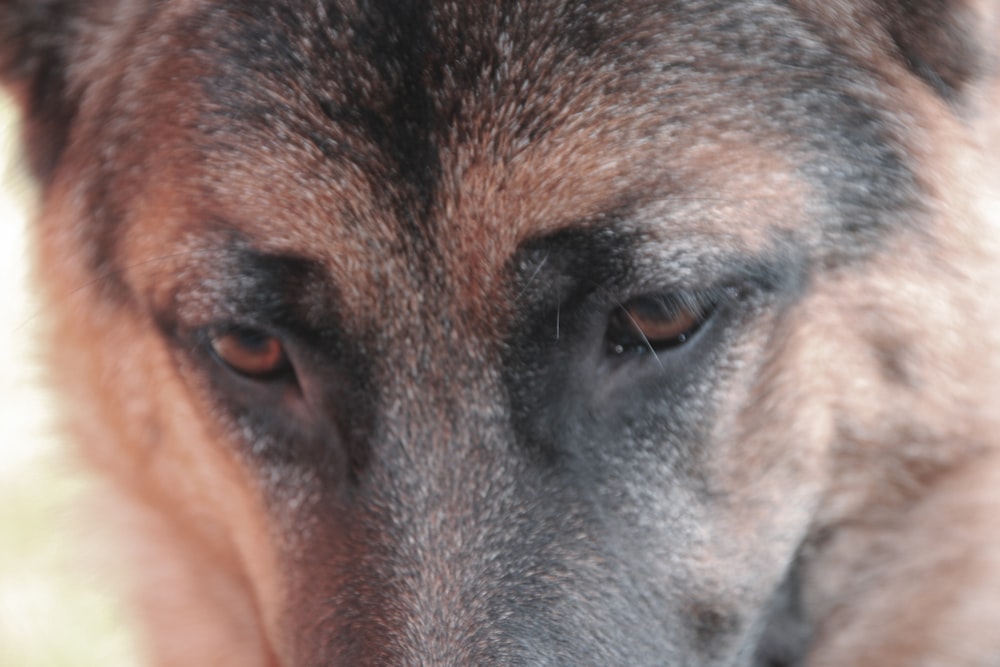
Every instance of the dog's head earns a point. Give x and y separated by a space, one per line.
509 333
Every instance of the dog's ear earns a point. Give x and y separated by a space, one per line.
950 44
36 38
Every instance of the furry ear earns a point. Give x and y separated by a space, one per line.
947 43
35 41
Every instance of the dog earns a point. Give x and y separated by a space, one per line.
611 332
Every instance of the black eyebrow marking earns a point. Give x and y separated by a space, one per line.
291 293
271 284
227 280
617 260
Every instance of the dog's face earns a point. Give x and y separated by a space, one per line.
510 333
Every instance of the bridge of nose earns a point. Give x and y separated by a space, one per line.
467 528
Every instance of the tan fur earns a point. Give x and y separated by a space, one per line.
886 374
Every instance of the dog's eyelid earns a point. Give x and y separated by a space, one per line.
249 351
660 321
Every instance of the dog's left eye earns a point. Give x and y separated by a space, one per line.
656 323
250 352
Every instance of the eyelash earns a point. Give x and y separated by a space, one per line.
657 323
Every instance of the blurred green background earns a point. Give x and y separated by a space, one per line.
54 611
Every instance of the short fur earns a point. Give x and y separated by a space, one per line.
444 211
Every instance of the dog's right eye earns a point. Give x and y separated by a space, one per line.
250 352
657 323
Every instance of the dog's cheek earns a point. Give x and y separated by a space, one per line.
774 435
947 542
716 480
191 533
909 340
767 468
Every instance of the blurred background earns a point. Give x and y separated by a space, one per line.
54 611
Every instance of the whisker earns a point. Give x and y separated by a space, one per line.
652 350
558 312
531 278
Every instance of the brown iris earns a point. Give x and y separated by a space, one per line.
655 323
250 352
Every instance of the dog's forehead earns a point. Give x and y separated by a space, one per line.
376 137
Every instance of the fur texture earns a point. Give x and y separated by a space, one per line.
592 333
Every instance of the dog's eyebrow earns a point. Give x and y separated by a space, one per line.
623 258
253 285
285 288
